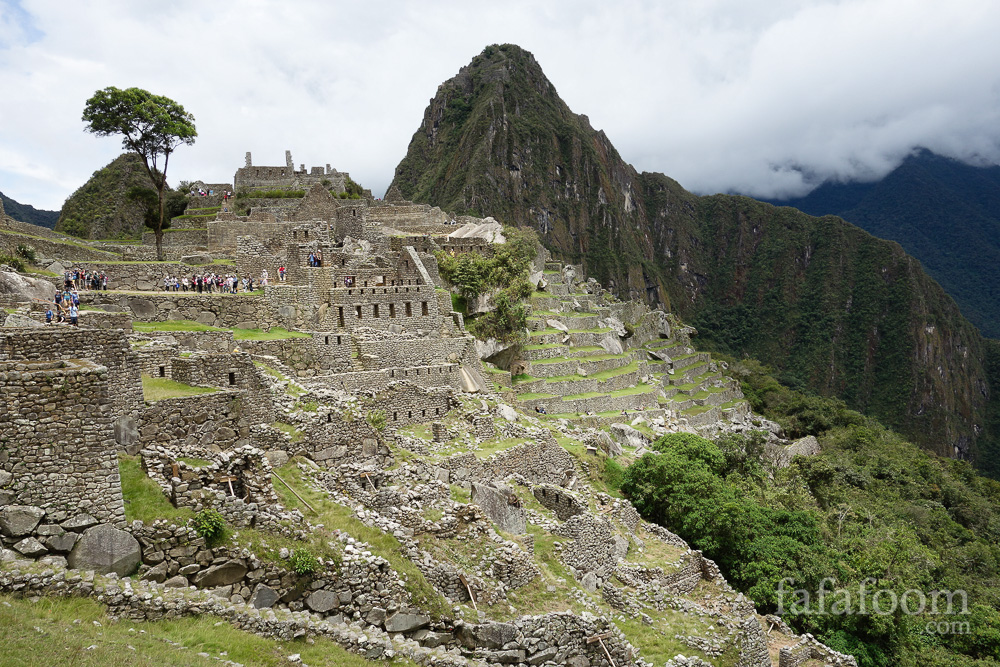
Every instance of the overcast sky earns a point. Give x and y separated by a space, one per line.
764 97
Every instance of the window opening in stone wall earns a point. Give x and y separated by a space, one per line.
232 378
329 418
375 311
359 311
338 340
340 315
163 371
409 312
306 233
409 414
392 310
423 413
437 411
395 417
327 340
423 308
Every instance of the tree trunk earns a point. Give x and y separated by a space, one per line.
159 227
159 244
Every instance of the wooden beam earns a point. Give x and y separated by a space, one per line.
288 486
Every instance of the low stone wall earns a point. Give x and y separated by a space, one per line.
195 238
57 443
147 277
320 352
51 249
540 462
809 648
561 501
228 371
219 310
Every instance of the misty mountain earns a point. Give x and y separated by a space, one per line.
830 307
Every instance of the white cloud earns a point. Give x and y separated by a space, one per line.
722 95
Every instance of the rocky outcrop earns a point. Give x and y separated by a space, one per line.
105 549
15 287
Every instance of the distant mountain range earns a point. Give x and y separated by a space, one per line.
943 212
829 306
29 214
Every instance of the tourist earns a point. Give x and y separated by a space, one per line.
48 315
263 278
74 315
281 273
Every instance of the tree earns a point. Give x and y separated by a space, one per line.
174 203
151 126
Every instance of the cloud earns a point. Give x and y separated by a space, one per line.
723 95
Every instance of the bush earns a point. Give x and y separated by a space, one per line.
614 474
26 251
377 419
303 562
15 263
210 525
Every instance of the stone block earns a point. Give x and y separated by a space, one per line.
406 622
322 601
501 505
31 547
105 549
263 597
79 523
221 575
19 520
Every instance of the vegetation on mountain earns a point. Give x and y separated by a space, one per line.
828 306
872 517
152 126
943 212
27 213
101 208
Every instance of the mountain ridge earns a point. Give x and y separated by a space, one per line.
28 213
831 307
943 212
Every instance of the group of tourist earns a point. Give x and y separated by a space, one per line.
316 258
85 280
208 283
65 306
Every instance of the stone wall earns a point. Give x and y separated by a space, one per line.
52 249
219 310
320 352
228 371
146 277
206 420
192 238
57 444
110 348
540 462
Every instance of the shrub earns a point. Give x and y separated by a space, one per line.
15 263
614 474
210 525
303 562
377 419
26 251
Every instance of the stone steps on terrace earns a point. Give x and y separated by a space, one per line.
590 363
608 381
579 338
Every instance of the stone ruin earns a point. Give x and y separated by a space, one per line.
378 349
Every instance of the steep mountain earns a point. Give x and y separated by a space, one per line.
829 306
28 213
99 209
943 212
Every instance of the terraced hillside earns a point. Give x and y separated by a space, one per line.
575 365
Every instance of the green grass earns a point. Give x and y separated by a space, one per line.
273 372
194 462
173 325
603 375
295 433
628 391
59 632
545 346
530 396
275 333
144 500
157 389
335 516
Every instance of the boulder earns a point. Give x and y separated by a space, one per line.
79 523
221 575
31 547
406 622
628 436
507 412
611 343
487 635
18 520
276 457
15 287
501 505
103 549
610 446
63 543
21 321
127 434
158 573
556 324
198 259
322 601
263 597
178 581
616 326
